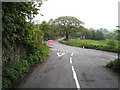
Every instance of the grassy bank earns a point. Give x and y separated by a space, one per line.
91 44
14 71
94 42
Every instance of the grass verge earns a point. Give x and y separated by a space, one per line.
90 46
94 42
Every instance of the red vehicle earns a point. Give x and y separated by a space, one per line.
50 43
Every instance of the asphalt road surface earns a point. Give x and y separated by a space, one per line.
73 67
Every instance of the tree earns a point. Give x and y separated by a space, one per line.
50 22
14 20
85 33
55 28
93 34
99 35
90 34
68 23
78 34
46 28
109 36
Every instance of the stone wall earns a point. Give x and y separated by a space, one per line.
13 52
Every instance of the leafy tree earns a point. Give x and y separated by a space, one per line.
85 33
68 23
109 36
46 29
90 34
57 31
93 34
50 22
99 35
14 21
78 34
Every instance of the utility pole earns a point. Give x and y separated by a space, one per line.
118 44
118 31
118 41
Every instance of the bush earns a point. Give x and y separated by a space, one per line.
111 44
13 71
6 82
109 64
114 65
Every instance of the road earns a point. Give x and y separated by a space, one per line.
73 67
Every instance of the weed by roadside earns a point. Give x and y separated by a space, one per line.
114 65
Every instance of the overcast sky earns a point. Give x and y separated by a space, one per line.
94 13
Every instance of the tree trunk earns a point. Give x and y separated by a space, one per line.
66 37
118 56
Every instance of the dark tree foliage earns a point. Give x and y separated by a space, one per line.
15 15
99 35
47 30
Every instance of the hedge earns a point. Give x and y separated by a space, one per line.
90 46
13 71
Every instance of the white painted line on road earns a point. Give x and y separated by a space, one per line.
60 54
75 77
72 54
71 60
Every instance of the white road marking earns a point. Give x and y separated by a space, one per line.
71 60
75 77
71 54
60 54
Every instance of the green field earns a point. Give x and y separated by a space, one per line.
94 42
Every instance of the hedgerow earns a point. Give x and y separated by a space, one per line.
90 46
13 71
17 29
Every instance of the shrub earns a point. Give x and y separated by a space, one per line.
111 44
6 82
109 64
114 65
13 71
